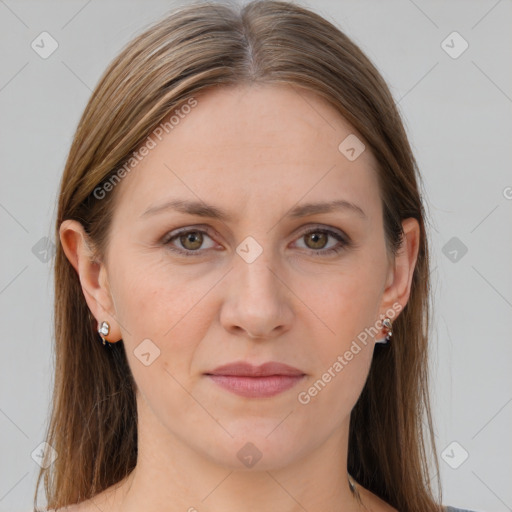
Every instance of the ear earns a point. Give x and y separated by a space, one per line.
399 279
92 274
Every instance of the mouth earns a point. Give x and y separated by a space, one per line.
251 381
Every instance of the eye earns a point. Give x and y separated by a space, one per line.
317 240
189 240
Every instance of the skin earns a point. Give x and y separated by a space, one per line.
256 151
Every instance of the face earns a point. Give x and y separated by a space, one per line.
266 281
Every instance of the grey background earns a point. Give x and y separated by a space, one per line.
457 113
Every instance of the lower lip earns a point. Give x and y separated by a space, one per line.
256 387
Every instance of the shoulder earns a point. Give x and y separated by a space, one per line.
69 508
78 507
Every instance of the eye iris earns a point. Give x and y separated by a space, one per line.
195 237
317 238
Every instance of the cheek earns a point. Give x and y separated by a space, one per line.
162 333
162 312
347 307
154 297
334 390
344 353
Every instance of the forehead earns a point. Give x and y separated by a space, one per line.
269 145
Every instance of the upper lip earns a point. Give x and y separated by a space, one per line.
242 368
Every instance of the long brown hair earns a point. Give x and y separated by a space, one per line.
93 424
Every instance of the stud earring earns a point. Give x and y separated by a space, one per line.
103 330
387 323
389 326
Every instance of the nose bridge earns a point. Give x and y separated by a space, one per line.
258 299
255 268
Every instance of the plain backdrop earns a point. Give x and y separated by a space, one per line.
456 104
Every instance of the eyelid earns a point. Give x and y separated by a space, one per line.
178 231
323 228
344 241
336 233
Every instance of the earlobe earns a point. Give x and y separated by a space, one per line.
91 273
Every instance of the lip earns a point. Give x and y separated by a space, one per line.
266 380
243 369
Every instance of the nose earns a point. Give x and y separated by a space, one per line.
257 302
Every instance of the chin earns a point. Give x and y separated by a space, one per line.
256 445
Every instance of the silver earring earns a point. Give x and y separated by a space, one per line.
389 326
103 330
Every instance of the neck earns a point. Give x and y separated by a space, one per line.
171 476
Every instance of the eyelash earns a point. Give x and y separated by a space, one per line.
343 242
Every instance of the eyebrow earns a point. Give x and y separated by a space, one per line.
205 210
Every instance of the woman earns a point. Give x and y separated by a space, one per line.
242 279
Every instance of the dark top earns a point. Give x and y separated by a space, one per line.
454 509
